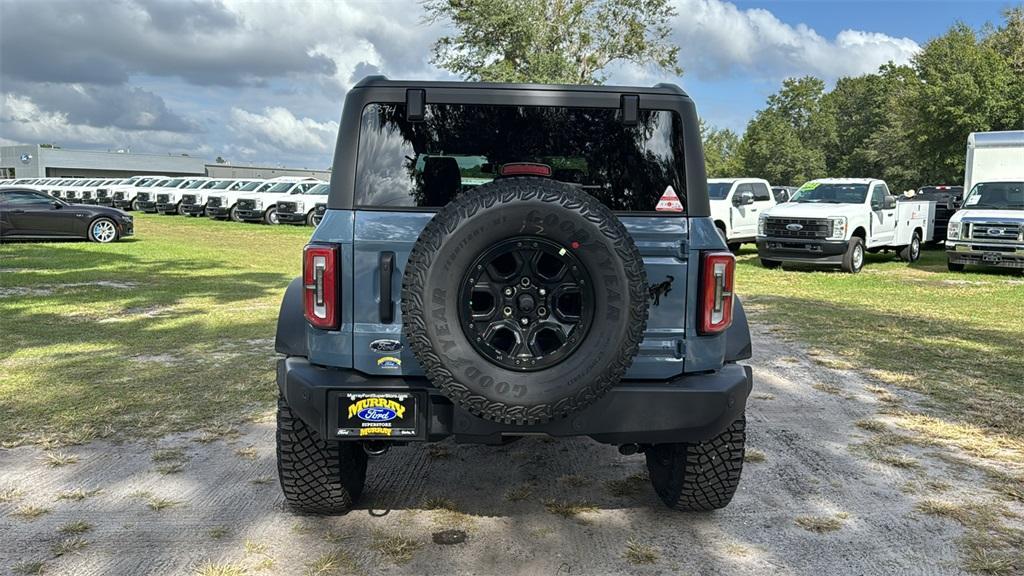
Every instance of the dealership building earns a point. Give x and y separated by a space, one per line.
38 161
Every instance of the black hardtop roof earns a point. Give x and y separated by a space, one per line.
662 89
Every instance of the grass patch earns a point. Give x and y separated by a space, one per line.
627 486
248 453
574 480
881 452
754 455
518 493
69 546
871 425
28 568
567 509
969 365
989 546
74 527
96 336
637 553
10 495
58 459
819 524
219 569
395 548
29 512
159 504
439 503
77 494
218 532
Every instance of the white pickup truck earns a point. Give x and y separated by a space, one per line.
835 221
736 204
989 227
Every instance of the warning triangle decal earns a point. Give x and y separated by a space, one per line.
669 202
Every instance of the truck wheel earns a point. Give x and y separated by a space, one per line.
702 476
134 206
770 264
270 215
954 267
912 251
524 300
181 210
233 214
311 218
316 477
853 260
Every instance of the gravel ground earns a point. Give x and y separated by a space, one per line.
223 508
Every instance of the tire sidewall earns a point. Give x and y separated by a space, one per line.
458 237
92 226
270 216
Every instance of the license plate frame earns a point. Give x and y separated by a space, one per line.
991 257
378 415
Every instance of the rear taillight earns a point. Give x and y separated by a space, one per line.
320 282
718 272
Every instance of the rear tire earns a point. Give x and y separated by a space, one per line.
954 267
316 477
912 251
699 477
770 264
853 260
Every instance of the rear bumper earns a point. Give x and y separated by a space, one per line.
801 250
690 408
998 256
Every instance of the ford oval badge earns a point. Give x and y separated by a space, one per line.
376 414
794 227
384 346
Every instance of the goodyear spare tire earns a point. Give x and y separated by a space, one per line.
524 300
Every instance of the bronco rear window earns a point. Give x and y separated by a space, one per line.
457 147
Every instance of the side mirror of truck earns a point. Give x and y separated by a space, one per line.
743 198
889 202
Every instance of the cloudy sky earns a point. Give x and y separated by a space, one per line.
263 82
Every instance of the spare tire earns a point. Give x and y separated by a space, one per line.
524 300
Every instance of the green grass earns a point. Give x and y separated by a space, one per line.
953 336
184 340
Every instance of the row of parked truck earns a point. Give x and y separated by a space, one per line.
286 199
836 221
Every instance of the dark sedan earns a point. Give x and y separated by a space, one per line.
26 213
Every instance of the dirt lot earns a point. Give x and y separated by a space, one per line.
831 486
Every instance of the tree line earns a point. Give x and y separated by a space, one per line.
907 124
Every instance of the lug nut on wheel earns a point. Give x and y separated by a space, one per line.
509 291
507 310
524 321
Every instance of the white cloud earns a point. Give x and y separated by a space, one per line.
277 127
23 121
718 40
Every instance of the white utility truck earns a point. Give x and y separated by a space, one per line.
736 204
988 229
834 221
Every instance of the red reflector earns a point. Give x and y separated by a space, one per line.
320 274
525 169
669 202
718 272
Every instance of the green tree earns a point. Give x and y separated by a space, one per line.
788 141
551 41
965 86
720 151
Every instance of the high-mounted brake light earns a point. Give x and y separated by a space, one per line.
320 285
526 169
718 272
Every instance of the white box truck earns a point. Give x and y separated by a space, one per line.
988 229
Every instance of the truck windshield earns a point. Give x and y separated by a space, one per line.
996 196
718 190
319 190
827 193
459 146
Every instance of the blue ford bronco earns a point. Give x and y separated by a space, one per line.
500 260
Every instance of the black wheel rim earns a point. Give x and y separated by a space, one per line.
526 303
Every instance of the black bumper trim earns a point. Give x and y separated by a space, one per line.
691 408
250 215
977 258
801 250
291 217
